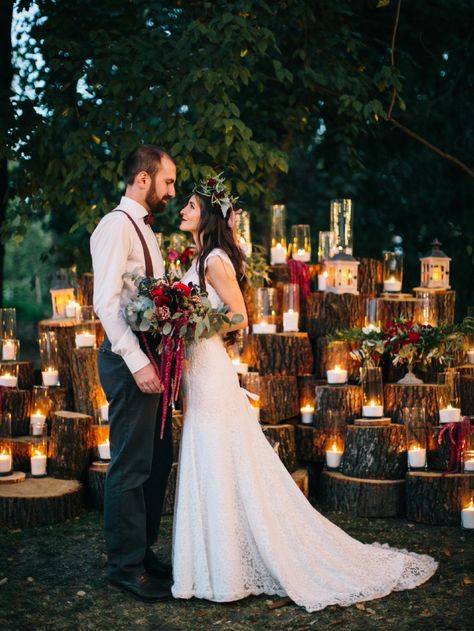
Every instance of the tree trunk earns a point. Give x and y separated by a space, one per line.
467 394
326 313
284 435
392 308
95 484
278 397
71 445
397 396
310 443
279 354
346 399
88 393
439 454
17 403
445 302
369 277
375 452
85 286
26 373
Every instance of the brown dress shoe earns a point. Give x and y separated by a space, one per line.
144 587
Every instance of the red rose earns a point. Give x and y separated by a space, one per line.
409 324
211 181
413 337
173 255
220 195
159 297
182 287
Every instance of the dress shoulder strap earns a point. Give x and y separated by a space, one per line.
222 255
146 251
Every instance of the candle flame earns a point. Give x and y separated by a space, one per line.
372 404
334 447
106 443
337 367
307 408
391 279
325 274
450 407
415 448
37 452
4 452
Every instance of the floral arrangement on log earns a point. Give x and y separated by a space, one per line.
175 315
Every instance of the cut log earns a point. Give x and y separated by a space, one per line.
397 396
88 393
15 477
60 400
301 477
26 373
310 443
346 399
326 313
39 502
369 276
444 306
320 354
17 403
21 448
371 422
284 435
439 453
466 369
85 289
377 452
71 445
95 483
363 498
467 394
278 397
249 298
279 274
177 425
437 498
279 354
392 308
168 504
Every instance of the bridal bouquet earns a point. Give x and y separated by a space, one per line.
178 315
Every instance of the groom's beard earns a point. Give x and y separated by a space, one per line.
155 204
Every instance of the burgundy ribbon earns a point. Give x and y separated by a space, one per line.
149 219
299 273
458 433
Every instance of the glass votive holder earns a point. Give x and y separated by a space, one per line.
291 307
102 438
449 396
337 363
71 309
426 311
334 449
244 239
278 234
49 355
10 349
392 272
372 391
469 348
86 330
8 323
301 243
416 430
6 460
40 409
39 458
371 316
266 309
326 245
9 375
468 460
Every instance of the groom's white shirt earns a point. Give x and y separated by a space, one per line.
116 249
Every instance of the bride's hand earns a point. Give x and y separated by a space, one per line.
147 380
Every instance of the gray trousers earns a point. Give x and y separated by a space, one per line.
138 472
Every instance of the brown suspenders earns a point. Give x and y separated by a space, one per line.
146 251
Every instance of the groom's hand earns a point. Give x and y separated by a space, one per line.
147 380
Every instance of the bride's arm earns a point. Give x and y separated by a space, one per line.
222 277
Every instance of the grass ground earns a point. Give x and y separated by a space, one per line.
53 578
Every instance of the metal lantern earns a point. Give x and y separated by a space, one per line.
61 294
342 217
435 268
372 392
278 234
244 239
342 274
392 271
291 307
326 245
416 429
301 243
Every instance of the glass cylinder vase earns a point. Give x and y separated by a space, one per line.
335 431
392 272
372 391
278 234
49 355
291 307
326 245
86 329
416 429
9 375
426 312
301 243
40 409
10 349
342 217
244 238
8 323
266 310
449 396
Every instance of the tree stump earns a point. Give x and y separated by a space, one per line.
39 502
437 498
15 477
85 287
327 312
21 448
96 482
18 404
466 369
168 504
278 397
285 436
71 445
320 354
391 308
439 453
444 305
60 400
347 399
279 354
363 498
467 394
377 452
310 443
369 276
301 477
26 373
397 396
88 393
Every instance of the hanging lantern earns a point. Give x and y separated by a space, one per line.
392 271
435 268
300 243
342 217
278 235
342 274
61 294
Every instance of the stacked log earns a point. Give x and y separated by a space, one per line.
278 397
88 393
467 394
17 403
279 354
376 452
96 483
397 396
346 399
85 287
26 373
444 305
71 445
392 308
439 451
369 277
310 443
327 312
284 435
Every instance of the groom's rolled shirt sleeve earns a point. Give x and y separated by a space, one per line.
110 245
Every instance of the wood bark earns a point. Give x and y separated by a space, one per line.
346 399
85 289
88 393
71 445
301 477
439 452
377 452
363 498
310 443
466 369
279 274
17 403
15 477
60 400
284 435
26 373
279 354
278 397
397 396
467 394
320 355
168 504
21 448
369 277
437 498
95 484
445 302
40 502
249 298
326 313
177 425
393 308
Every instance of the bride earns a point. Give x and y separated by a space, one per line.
242 526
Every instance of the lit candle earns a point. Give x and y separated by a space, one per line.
38 464
449 415
245 247
5 463
256 410
469 464
373 410
336 375
85 339
104 450
263 327
323 281
467 515
104 412
391 284
240 367
277 254
71 309
290 320
333 457
37 421
307 413
50 377
8 350
302 255
417 457
8 380
470 357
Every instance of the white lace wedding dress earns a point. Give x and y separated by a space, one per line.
242 526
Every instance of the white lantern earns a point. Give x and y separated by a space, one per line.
435 268
61 294
342 274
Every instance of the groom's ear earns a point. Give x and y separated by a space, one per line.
142 179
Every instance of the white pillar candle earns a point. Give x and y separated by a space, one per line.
104 450
373 410
38 464
467 515
390 284
263 327
50 377
290 320
241 368
336 375
104 412
37 422
307 412
333 457
71 309
470 357
85 339
323 281
277 254
8 350
417 457
5 462
302 255
449 415
9 381
469 464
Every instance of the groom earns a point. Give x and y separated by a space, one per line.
138 472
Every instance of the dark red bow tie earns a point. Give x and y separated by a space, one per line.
149 219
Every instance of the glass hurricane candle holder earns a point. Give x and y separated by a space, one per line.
6 424
86 331
6 460
9 375
371 317
449 396
301 243
337 363
266 309
416 430
426 308
342 218
372 392
8 323
392 272
234 353
334 429
326 245
49 355
10 350
291 307
251 383
39 458
278 234
40 409
242 226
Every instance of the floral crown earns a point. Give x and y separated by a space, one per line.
215 188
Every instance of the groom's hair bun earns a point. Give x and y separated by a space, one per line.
143 158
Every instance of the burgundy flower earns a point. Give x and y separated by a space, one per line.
211 181
413 337
160 298
182 287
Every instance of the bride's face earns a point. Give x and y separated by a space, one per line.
190 215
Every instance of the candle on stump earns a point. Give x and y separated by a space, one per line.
290 321
333 456
302 255
85 339
337 375
241 368
8 381
50 377
38 464
449 414
104 450
467 515
5 462
104 412
71 309
469 464
263 327
8 350
417 457
323 281
37 422
277 254
307 412
391 284
373 410
470 357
